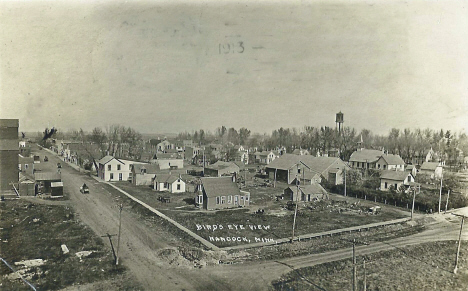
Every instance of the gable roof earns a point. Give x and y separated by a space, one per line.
430 166
219 186
365 155
47 176
219 165
392 159
316 164
394 175
167 178
313 189
107 159
150 168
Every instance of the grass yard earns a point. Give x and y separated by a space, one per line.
32 231
427 266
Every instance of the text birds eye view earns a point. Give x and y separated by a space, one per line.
233 145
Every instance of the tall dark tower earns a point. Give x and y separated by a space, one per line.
339 121
9 150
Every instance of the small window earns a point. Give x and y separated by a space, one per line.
223 199
386 185
217 200
26 166
396 186
384 167
109 167
118 167
247 197
112 176
298 170
178 186
229 199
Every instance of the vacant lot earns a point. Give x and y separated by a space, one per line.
422 267
31 231
274 223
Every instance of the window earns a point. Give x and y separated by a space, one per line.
236 199
109 167
396 187
118 167
26 166
384 167
112 176
229 199
247 198
298 170
217 199
223 199
386 185
200 198
378 166
178 186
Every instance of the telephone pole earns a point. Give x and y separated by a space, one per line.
120 227
440 193
412 207
446 203
354 266
459 241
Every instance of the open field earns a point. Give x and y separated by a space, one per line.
427 266
275 223
32 231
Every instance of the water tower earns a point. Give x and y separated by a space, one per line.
339 120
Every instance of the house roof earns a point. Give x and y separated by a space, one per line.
392 159
164 156
313 189
25 160
219 186
430 166
47 176
107 159
219 165
316 164
150 169
365 155
167 178
394 175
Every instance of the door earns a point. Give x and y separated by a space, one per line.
120 176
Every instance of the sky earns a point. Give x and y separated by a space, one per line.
167 67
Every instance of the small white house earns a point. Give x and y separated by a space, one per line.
395 179
265 157
169 183
433 169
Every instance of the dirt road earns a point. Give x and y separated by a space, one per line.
139 242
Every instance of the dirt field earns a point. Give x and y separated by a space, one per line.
32 231
275 223
427 266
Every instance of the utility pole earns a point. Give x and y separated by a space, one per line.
412 207
118 240
446 203
344 181
354 266
459 241
440 193
365 275
295 211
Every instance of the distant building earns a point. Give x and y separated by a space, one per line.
390 162
265 157
220 193
365 159
395 179
433 169
143 174
312 192
49 183
113 169
168 161
221 168
308 169
169 183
